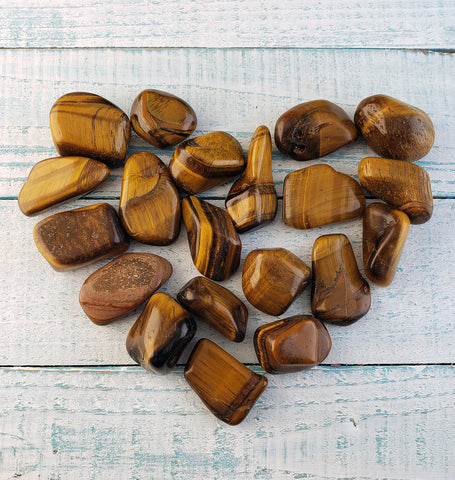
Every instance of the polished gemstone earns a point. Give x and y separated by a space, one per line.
292 344
252 201
55 180
214 242
215 304
160 334
385 230
313 129
122 285
75 238
90 126
162 118
228 388
403 185
339 293
149 203
203 162
394 129
273 278
319 195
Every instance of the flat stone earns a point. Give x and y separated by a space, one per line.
203 162
122 285
75 238
385 230
215 304
87 125
273 278
402 185
339 293
160 334
149 202
162 118
394 129
252 200
319 195
55 180
292 344
313 129
215 245
227 388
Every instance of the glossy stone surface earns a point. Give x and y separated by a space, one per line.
252 201
403 185
292 344
319 195
87 125
122 285
339 293
227 388
394 129
313 129
160 334
203 162
385 230
216 305
162 118
149 202
55 180
75 238
273 278
214 243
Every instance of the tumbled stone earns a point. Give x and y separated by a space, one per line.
252 201
122 285
203 162
75 238
160 334
319 195
227 388
215 304
292 344
87 125
149 202
162 118
339 293
403 185
313 129
385 230
55 180
273 278
214 243
394 129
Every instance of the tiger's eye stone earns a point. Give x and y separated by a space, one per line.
403 185
227 388
75 238
384 234
55 180
292 344
216 305
149 203
122 285
160 334
339 293
215 245
319 195
313 129
394 129
203 162
162 118
88 125
273 278
252 201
